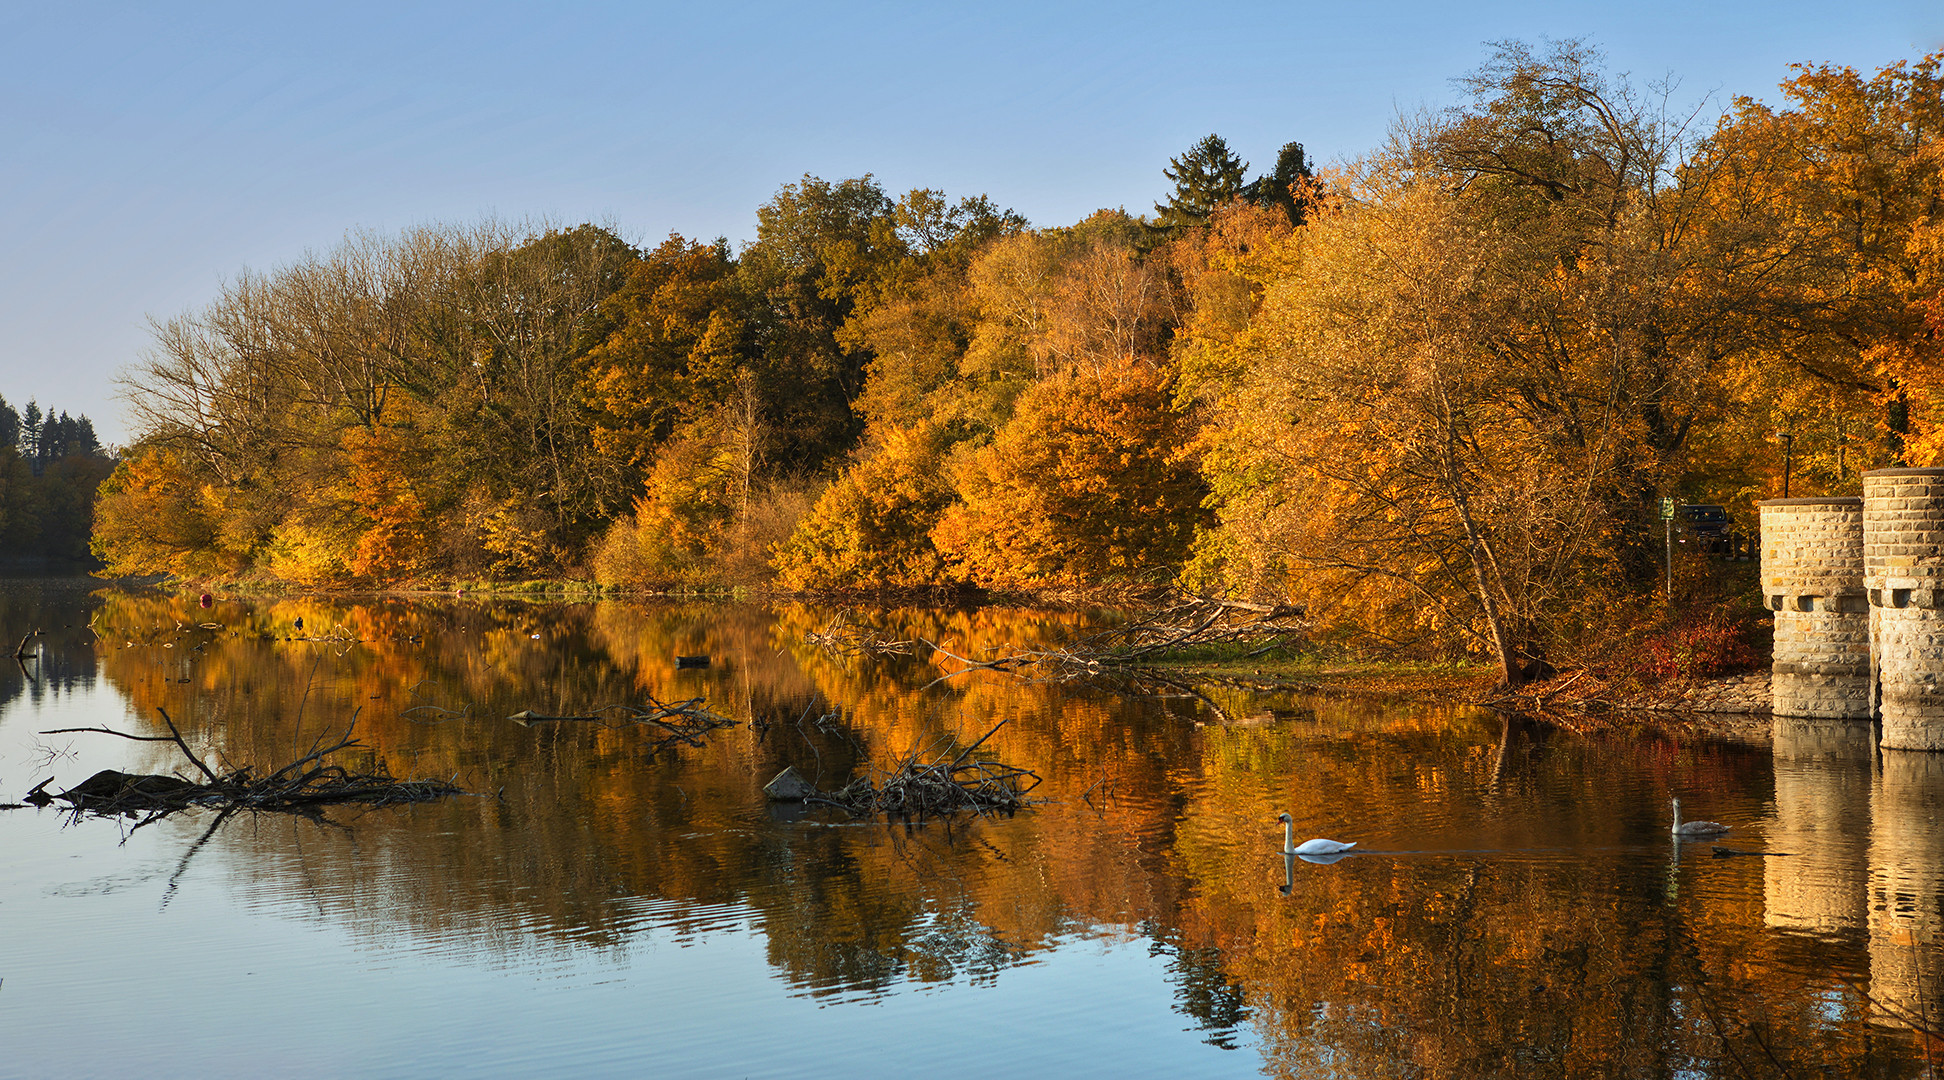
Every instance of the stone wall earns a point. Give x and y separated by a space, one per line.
1903 575
1812 579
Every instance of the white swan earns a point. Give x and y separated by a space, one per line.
1695 828
1318 846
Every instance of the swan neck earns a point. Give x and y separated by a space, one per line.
1677 815
1289 837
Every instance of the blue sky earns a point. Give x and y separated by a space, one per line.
149 152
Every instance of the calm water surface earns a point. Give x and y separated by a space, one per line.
600 908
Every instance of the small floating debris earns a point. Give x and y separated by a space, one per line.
691 661
1728 853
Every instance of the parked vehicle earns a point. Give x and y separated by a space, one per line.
1704 524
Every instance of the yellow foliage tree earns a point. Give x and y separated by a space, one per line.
871 528
1089 482
1472 377
696 501
1831 196
150 518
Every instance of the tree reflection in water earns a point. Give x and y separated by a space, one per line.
1517 913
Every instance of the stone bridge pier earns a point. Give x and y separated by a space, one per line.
1812 579
1903 571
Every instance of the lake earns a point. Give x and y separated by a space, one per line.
601 906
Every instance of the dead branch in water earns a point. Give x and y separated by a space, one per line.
1145 640
683 721
1195 621
843 635
436 714
935 789
303 786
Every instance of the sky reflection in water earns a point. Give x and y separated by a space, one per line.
1514 907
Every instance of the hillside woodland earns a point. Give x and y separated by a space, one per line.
1436 394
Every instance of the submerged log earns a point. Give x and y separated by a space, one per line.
1142 642
110 788
843 635
1728 853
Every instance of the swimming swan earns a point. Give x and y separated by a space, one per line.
1309 847
1695 828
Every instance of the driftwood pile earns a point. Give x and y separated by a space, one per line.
918 789
1193 622
1148 639
682 721
304 786
843 635
936 790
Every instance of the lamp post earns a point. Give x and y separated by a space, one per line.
1788 458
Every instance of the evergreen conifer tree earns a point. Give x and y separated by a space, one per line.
1281 187
82 438
30 432
9 424
1205 177
56 432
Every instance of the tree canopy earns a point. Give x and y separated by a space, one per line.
1435 393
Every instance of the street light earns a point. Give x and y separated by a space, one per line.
1788 458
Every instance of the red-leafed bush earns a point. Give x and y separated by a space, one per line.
1698 648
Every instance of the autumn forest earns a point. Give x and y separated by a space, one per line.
1436 393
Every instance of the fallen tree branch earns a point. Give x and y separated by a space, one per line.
843 635
1135 647
301 786
920 789
683 721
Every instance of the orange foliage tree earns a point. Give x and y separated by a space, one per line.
150 518
1833 194
386 493
1090 481
871 527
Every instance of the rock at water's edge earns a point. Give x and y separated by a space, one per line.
789 786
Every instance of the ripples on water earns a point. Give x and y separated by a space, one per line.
1515 906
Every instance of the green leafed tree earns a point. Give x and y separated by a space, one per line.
820 248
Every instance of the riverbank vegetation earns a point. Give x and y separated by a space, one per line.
1436 396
